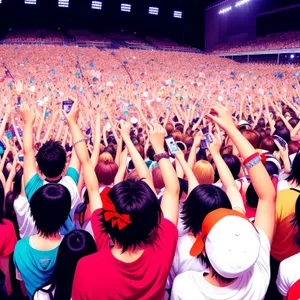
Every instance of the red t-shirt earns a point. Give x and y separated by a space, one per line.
8 238
294 291
102 276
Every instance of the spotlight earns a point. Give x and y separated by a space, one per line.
242 2
153 10
97 5
63 3
177 14
126 7
225 10
292 56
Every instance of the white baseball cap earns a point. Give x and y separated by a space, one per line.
230 240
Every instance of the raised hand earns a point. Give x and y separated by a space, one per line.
27 114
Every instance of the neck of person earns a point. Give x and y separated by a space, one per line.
41 242
53 179
213 280
129 255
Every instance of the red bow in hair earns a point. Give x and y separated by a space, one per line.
263 158
110 213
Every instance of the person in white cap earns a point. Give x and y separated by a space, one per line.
235 251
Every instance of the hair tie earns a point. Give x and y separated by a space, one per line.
110 213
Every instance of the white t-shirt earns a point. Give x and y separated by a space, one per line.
183 261
42 294
24 217
282 185
253 285
288 274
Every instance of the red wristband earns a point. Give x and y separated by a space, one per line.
250 158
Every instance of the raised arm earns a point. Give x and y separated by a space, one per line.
137 160
265 214
170 200
80 147
226 177
28 116
97 139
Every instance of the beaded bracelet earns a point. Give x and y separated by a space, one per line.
79 141
254 161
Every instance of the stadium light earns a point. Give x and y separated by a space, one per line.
153 10
33 2
63 3
225 10
177 14
97 5
126 7
242 2
292 56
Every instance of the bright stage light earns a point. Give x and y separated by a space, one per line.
30 2
177 14
292 56
63 3
97 5
242 2
126 7
225 10
153 10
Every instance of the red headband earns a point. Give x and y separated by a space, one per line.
110 213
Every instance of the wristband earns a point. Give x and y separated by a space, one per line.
158 157
79 141
253 162
248 159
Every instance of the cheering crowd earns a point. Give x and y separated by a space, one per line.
132 174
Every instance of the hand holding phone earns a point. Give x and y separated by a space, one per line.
171 144
67 105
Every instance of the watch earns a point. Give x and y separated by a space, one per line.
158 157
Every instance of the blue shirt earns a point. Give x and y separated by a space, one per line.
35 266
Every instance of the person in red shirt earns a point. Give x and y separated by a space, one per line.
136 238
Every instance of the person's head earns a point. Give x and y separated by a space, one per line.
136 200
268 144
293 147
229 244
105 157
51 159
177 135
202 200
293 122
226 150
157 179
75 245
111 150
233 164
150 153
294 176
284 133
251 196
169 128
140 149
50 206
204 172
261 123
252 136
106 172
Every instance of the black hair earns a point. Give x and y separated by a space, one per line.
51 159
233 164
284 133
50 206
75 245
1 202
202 200
271 168
150 153
136 199
251 196
261 123
279 124
295 173
296 221
206 262
111 150
293 122
11 197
